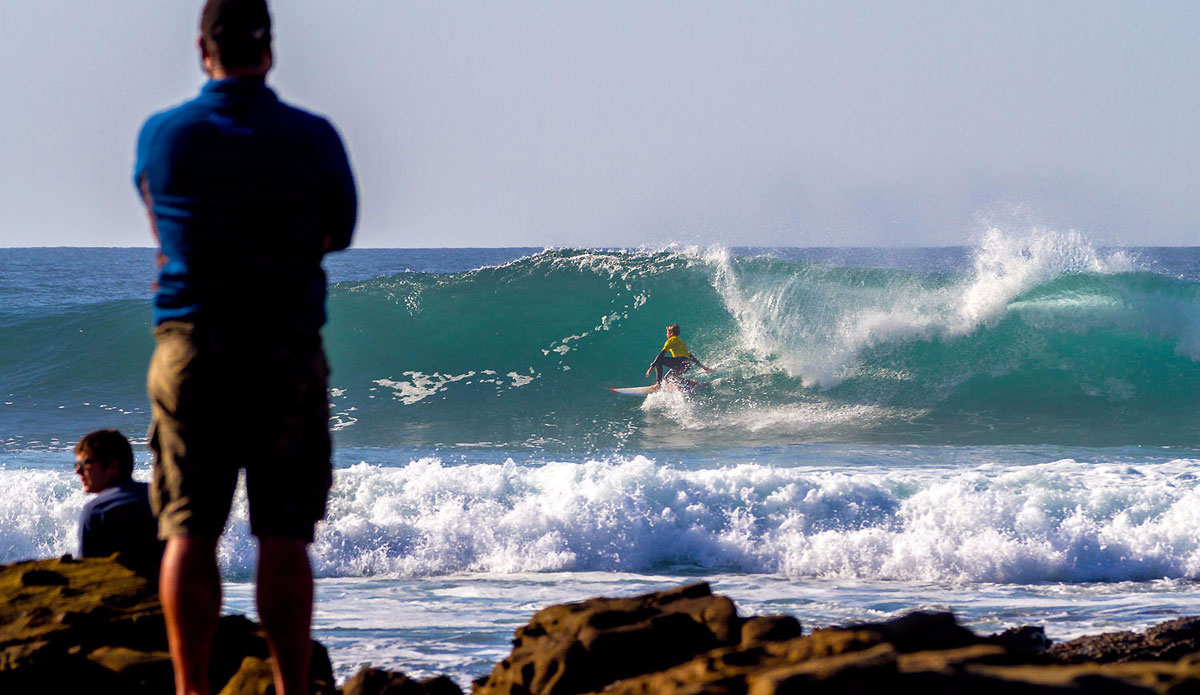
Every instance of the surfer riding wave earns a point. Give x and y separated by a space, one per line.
675 356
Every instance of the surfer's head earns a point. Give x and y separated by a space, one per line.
235 38
673 330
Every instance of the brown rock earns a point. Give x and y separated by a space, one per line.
951 661
374 681
855 672
728 669
441 685
253 677
825 642
1167 641
922 630
146 669
95 626
1143 679
770 628
581 647
593 647
1028 641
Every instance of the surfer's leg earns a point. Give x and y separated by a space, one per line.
676 366
658 368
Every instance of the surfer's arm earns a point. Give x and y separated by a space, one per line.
699 364
656 359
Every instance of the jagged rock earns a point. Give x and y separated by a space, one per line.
919 652
921 630
441 685
252 677
95 626
373 681
770 628
1167 641
580 647
1029 641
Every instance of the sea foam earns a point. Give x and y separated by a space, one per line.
1057 521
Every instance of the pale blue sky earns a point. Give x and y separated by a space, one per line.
633 122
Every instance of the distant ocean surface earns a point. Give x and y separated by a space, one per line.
1009 431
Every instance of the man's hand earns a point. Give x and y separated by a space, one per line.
648 372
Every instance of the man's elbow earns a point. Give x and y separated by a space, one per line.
336 242
340 227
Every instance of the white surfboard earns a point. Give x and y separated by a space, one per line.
680 387
634 390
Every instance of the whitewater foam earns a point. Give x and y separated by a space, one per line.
1058 521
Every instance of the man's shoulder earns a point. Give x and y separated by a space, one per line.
310 121
174 119
182 110
131 493
92 507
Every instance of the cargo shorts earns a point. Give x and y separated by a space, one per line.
225 399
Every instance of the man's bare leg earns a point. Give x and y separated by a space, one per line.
285 599
189 587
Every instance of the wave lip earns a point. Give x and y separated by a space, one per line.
857 311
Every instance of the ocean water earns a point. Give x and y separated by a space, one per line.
1008 430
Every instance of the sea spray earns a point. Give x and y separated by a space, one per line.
818 320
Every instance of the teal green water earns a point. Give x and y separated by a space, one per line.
1035 347
521 353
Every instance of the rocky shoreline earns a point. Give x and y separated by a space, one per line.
93 626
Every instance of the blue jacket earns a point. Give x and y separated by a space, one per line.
247 194
119 519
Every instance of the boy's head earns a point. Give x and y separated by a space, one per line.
673 330
102 459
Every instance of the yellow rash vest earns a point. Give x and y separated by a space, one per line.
677 347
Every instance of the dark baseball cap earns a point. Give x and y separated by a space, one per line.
235 21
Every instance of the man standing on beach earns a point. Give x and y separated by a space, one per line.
245 194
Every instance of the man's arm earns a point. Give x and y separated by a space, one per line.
342 200
89 544
83 534
693 358
141 181
160 258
